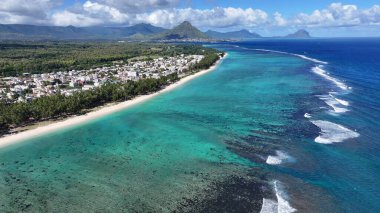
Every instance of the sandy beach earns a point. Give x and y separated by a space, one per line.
74 120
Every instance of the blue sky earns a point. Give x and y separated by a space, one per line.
287 7
268 17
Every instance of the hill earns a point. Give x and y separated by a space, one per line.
183 31
137 32
32 32
123 32
20 31
241 34
299 34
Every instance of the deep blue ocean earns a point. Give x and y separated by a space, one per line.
346 162
278 126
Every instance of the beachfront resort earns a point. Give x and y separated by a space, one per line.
31 86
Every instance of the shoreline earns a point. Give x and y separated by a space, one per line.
11 139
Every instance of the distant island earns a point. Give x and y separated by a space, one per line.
139 32
241 34
299 34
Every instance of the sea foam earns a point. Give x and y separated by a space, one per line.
343 102
311 59
338 105
269 206
321 72
333 133
307 115
279 206
318 69
293 54
279 158
283 204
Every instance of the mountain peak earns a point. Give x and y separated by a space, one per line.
185 23
244 31
241 34
143 25
184 30
299 34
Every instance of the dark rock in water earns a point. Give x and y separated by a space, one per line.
235 194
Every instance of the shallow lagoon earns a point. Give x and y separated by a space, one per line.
201 146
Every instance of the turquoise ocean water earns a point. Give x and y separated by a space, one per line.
225 140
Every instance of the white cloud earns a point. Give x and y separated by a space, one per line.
66 18
138 6
371 16
339 15
216 18
104 12
96 13
26 11
90 13
35 8
163 13
279 20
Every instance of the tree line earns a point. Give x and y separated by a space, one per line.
42 57
47 107
54 106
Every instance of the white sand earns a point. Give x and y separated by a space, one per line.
18 137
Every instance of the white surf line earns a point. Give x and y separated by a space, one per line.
279 158
334 103
321 72
294 54
283 204
318 69
332 132
342 102
279 206
269 206
287 53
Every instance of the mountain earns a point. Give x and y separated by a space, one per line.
27 32
20 31
123 32
183 31
299 34
137 32
145 29
241 34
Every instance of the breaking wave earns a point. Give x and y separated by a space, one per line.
333 133
279 206
337 105
269 206
293 54
307 115
320 71
279 158
343 102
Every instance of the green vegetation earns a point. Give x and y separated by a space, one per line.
206 62
183 31
18 58
47 107
32 32
47 57
137 32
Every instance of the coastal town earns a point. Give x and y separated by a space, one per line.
28 87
